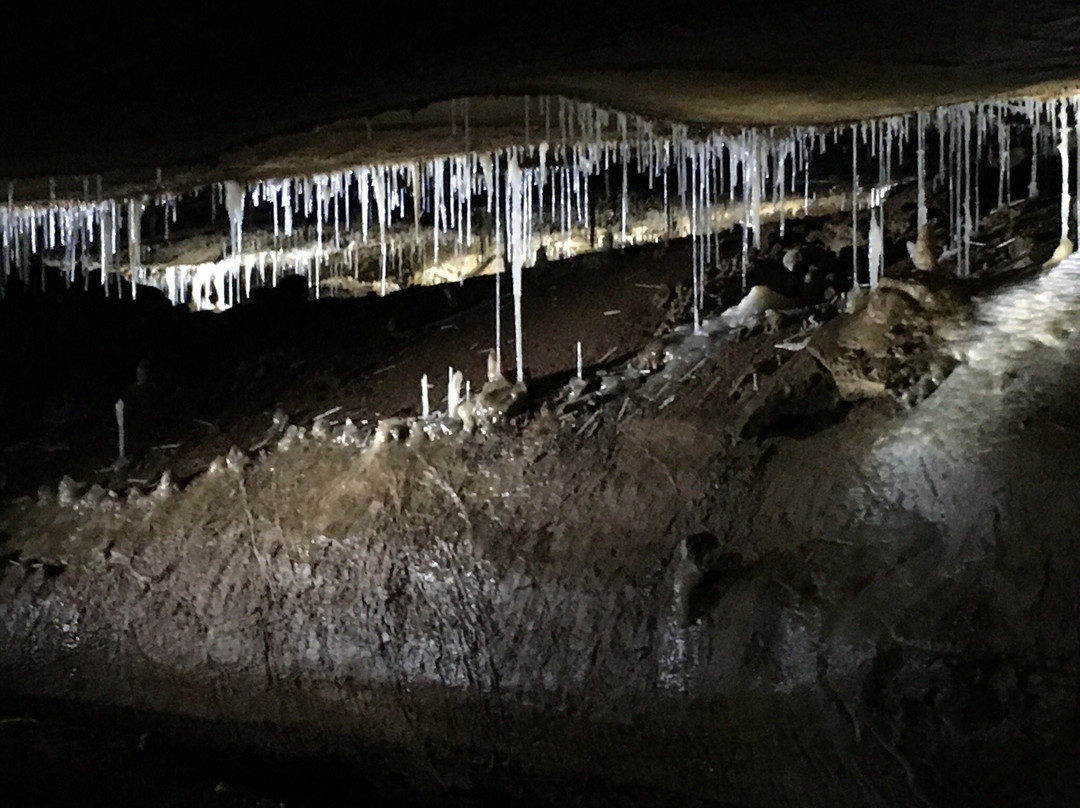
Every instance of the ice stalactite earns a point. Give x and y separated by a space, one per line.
1063 152
518 193
695 249
854 206
454 215
379 186
922 123
235 197
134 229
876 239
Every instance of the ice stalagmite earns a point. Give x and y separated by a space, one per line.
453 391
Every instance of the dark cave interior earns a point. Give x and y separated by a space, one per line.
783 536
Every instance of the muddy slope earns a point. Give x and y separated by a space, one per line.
632 605
807 558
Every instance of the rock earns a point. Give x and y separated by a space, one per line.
391 429
497 401
895 342
798 399
348 434
67 492
293 435
236 460
650 358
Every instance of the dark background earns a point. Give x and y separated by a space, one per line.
102 86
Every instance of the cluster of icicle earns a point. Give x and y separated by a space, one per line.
516 195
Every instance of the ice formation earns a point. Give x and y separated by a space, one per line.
121 455
380 227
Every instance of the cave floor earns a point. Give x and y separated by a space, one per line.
603 470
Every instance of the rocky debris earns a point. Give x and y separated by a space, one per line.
798 399
650 358
898 343
897 340
497 400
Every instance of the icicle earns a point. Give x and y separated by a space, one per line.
416 189
1076 118
876 246
757 188
381 205
287 207
922 121
694 247
516 191
425 409
234 204
580 366
1033 184
625 194
778 186
854 208
135 209
969 216
1063 150
500 244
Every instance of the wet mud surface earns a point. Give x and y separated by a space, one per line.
753 575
